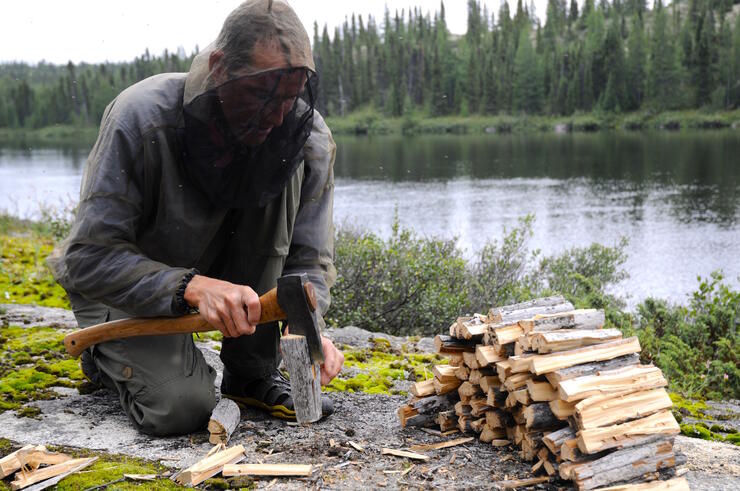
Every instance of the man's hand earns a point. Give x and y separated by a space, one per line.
232 309
333 361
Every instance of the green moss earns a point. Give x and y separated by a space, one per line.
681 405
381 369
700 430
24 276
29 412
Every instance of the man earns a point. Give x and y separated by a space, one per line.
201 190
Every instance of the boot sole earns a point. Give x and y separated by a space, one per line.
276 411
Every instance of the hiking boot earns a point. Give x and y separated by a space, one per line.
90 370
271 394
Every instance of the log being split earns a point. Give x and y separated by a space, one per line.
305 378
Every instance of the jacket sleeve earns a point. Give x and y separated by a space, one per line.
100 259
312 245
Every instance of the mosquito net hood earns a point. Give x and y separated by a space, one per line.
248 105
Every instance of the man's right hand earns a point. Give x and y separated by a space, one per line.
232 309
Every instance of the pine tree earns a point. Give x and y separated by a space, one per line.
614 97
636 61
527 76
663 70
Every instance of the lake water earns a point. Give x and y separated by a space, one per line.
675 196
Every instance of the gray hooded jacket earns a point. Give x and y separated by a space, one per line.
142 226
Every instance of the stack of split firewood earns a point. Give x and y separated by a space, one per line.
551 380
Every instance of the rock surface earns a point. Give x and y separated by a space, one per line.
96 422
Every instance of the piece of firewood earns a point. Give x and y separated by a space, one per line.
580 319
506 333
281 470
467 389
30 457
496 418
444 373
522 396
497 397
305 378
517 381
540 364
487 355
470 360
621 465
628 434
462 372
479 373
209 466
539 306
520 364
404 453
440 445
479 406
521 483
489 434
423 389
489 382
555 439
477 424
454 359
446 420
675 484
633 378
591 368
567 339
24 479
541 391
446 387
503 369
599 411
448 344
561 409
540 417
427 406
224 421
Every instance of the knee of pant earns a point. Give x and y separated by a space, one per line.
178 407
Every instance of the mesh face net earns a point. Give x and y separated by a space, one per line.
248 106
242 141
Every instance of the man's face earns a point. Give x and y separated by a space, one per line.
254 105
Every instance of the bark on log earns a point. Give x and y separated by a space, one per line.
634 378
628 434
621 465
568 339
224 420
600 411
592 368
526 310
540 364
555 439
540 417
574 319
305 378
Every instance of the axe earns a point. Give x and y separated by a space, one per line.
294 300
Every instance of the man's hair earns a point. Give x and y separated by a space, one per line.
261 21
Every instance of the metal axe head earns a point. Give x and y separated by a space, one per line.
292 297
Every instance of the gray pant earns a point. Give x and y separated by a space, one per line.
164 384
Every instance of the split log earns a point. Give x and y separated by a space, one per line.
427 407
424 388
403 453
604 410
458 321
444 373
280 470
470 359
522 396
634 378
467 389
503 369
520 483
591 368
473 330
479 406
462 372
496 418
506 334
446 387
574 319
561 409
521 364
628 434
548 342
462 409
477 375
497 397
24 479
454 359
224 420
447 420
527 310
540 417
489 382
676 484
541 391
477 425
30 456
517 381
441 445
487 355
569 451
490 434
305 378
555 439
540 364
464 424
621 465
209 466
448 344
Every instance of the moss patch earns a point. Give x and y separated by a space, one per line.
32 360
24 276
380 368
106 469
700 430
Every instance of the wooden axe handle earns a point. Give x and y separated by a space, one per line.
80 340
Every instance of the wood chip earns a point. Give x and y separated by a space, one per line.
521 483
293 470
404 453
440 445
354 445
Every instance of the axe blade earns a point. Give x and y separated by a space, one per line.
291 296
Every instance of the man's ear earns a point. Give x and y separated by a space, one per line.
215 59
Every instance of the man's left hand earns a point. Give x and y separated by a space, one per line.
333 361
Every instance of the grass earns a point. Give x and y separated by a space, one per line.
56 136
369 121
